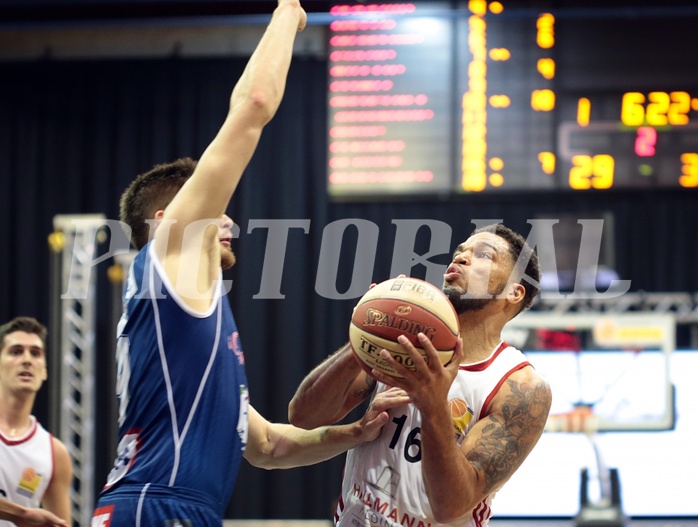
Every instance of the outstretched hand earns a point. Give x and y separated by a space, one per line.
428 383
40 518
376 415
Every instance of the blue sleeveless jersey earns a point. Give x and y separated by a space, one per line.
182 393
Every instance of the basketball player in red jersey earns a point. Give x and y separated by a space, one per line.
35 467
470 424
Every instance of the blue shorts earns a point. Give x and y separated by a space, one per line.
143 506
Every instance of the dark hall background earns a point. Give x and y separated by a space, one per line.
74 132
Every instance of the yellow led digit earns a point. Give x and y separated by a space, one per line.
583 111
662 108
581 172
679 107
588 172
547 162
658 108
632 111
546 67
689 170
543 100
545 36
603 167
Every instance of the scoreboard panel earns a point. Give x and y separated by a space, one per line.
486 96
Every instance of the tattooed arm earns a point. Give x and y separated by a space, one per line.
457 478
493 448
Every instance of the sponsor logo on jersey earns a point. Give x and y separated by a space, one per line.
29 482
461 415
102 516
380 512
243 416
235 346
126 454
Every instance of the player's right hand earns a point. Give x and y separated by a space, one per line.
303 20
40 518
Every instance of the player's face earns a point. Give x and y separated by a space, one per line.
22 362
479 272
225 236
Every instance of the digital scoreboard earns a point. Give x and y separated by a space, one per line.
390 93
471 97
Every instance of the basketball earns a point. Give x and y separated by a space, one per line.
401 306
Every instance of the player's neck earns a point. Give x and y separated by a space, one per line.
15 415
481 335
16 428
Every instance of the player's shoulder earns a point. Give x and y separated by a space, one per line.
59 448
61 456
528 374
525 386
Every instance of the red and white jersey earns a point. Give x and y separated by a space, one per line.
383 486
26 466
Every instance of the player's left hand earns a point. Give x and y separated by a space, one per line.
376 415
429 381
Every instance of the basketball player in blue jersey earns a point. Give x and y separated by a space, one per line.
185 421
468 426
28 517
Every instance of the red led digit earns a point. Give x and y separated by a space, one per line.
645 141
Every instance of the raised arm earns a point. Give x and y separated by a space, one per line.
254 101
330 391
187 239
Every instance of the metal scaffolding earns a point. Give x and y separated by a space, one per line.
73 293
683 306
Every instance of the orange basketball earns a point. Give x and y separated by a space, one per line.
402 306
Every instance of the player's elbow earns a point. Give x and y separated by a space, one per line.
451 513
260 104
259 462
265 102
441 517
300 418
263 458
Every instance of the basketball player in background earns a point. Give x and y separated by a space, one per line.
468 426
25 517
35 468
184 417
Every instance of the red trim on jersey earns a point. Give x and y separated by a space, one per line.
481 513
339 509
480 366
488 400
30 434
53 462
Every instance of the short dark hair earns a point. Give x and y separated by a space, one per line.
150 192
26 324
519 248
